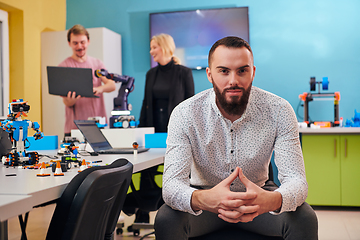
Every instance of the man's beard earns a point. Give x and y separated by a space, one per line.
78 53
237 105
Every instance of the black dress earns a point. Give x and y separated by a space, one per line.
160 92
166 86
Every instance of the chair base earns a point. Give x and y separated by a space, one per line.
135 228
119 227
142 226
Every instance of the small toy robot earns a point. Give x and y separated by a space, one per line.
69 152
67 144
18 131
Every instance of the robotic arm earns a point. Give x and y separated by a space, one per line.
127 86
121 113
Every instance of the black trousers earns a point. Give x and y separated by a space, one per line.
297 225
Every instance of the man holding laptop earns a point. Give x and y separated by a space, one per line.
77 107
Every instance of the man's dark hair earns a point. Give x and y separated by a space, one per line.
229 42
77 30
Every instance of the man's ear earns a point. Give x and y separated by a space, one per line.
208 74
254 73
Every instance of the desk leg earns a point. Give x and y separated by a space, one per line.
23 225
4 230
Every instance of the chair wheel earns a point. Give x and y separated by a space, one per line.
119 231
136 232
130 229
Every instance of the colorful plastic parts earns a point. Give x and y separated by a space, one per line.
42 171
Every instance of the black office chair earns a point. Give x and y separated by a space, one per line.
148 198
234 234
91 203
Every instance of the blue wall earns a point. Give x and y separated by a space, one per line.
291 41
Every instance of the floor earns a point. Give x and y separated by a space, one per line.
334 224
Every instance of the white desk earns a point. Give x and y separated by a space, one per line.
45 189
14 205
33 190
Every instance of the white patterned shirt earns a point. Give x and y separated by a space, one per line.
203 148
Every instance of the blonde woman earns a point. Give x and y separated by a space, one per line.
166 85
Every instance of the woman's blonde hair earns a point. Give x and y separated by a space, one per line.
167 44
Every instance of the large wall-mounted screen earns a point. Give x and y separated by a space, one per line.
195 31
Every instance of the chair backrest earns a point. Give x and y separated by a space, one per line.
149 197
118 204
90 205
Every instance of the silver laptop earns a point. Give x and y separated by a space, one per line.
97 140
61 80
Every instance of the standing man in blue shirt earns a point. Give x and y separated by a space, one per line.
219 148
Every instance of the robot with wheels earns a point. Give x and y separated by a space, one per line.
18 131
121 113
69 152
